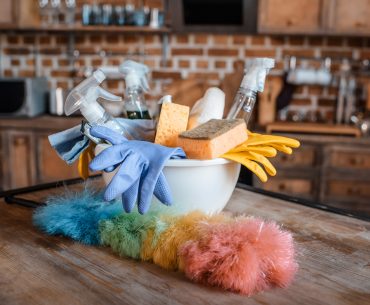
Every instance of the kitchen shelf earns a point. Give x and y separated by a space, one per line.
71 32
313 128
89 29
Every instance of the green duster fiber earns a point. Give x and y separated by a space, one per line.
126 232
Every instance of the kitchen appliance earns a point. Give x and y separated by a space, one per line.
213 16
23 97
57 97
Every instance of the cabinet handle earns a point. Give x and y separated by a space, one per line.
19 141
360 24
356 161
354 191
282 187
284 158
289 22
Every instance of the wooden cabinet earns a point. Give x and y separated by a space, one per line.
330 170
349 158
314 17
21 161
299 187
8 13
49 166
19 13
297 174
26 157
349 16
346 176
291 16
304 157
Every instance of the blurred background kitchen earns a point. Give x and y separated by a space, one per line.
319 90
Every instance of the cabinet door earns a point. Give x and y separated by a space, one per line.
18 159
305 157
291 16
2 161
350 17
49 166
7 13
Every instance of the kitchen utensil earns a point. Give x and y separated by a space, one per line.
56 101
70 12
154 18
350 99
267 101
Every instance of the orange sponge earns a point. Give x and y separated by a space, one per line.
173 120
213 138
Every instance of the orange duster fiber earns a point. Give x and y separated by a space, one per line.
180 230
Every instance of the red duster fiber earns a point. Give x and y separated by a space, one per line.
245 256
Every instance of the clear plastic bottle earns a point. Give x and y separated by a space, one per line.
84 98
135 104
252 83
136 84
243 104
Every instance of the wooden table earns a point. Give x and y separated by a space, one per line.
334 258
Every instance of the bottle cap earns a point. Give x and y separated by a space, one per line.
135 74
84 97
256 71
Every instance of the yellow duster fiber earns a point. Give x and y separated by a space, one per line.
149 243
179 231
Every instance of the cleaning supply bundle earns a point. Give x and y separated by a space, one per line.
138 165
240 254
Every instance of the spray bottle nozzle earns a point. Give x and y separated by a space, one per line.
84 97
256 71
135 74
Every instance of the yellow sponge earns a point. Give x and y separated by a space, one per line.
173 120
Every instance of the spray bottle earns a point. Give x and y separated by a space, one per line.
136 84
84 98
252 83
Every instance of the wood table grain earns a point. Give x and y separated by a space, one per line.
334 258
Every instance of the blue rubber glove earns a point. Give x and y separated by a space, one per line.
140 175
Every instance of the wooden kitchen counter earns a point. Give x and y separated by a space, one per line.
334 259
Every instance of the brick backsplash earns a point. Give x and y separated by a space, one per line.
205 56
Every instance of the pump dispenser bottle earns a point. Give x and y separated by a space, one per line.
252 83
84 98
136 84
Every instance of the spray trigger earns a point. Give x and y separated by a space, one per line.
107 95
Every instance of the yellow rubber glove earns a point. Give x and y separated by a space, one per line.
258 139
83 161
251 165
256 148
266 151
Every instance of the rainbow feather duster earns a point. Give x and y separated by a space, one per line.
76 215
242 254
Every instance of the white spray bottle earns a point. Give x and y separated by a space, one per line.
84 98
252 83
136 84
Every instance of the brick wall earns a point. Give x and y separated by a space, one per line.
208 57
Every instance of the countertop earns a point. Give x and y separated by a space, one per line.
334 254
62 122
41 122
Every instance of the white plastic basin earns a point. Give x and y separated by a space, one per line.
204 185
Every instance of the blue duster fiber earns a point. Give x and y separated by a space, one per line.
76 215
